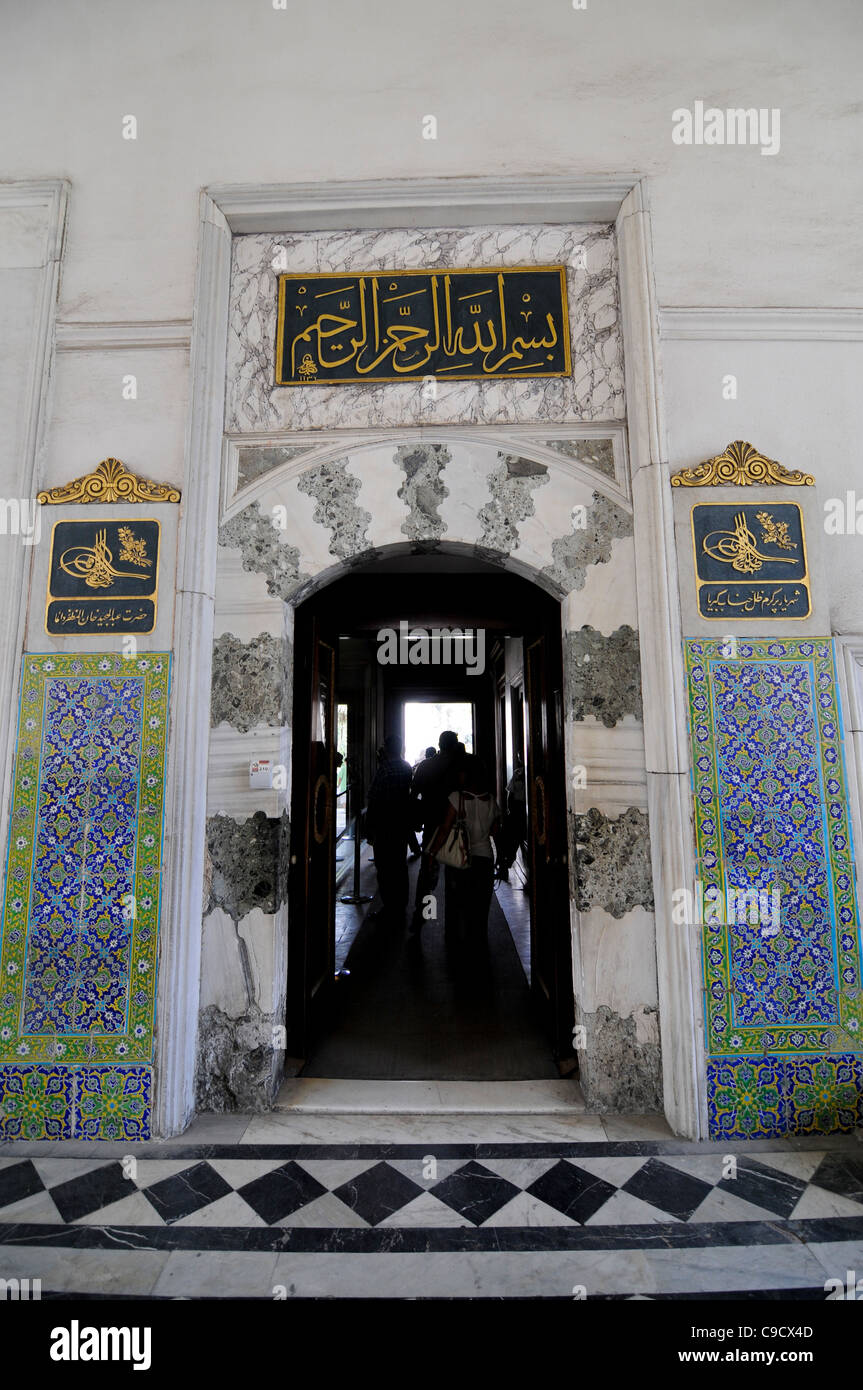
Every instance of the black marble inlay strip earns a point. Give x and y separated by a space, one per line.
584 1148
569 1189
765 1186
186 1192
669 1189
841 1173
19 1180
278 1194
475 1192
87 1193
421 1240
377 1193
629 1148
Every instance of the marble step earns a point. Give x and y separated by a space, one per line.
314 1095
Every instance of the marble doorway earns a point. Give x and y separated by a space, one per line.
415 1007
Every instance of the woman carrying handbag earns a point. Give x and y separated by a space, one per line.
463 844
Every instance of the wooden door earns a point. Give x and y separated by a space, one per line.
551 944
311 928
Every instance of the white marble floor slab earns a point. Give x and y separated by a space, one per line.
623 1209
193 1274
424 1211
525 1210
316 1095
56 1170
135 1210
238 1171
124 1270
521 1171
414 1168
818 1202
326 1211
230 1210
724 1206
837 1257
277 1128
614 1170
39 1207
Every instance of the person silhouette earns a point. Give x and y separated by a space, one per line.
387 826
469 890
433 780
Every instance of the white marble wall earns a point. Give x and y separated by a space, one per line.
593 392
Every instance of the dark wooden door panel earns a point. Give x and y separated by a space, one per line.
551 944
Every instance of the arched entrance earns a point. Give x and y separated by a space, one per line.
511 702
493 509
212 498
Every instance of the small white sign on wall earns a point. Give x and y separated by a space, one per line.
260 775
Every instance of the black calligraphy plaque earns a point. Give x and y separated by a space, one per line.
750 561
455 325
103 577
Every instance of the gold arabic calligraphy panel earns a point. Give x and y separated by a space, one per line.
750 560
104 577
458 325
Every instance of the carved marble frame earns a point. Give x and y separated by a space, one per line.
229 210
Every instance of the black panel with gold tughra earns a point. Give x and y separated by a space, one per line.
103 578
454 325
750 560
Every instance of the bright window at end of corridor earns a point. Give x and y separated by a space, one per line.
425 721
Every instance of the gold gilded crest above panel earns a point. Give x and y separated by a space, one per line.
110 482
740 465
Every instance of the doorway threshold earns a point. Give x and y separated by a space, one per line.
318 1095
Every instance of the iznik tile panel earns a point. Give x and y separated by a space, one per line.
63 1102
80 926
781 945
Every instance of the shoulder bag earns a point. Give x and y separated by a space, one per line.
455 850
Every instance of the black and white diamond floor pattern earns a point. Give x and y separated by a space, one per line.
227 1189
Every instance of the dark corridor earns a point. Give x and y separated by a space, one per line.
366 999
416 1008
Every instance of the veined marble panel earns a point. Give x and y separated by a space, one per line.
622 972
606 766
607 599
595 391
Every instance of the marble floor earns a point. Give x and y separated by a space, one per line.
471 1206
514 899
423 1007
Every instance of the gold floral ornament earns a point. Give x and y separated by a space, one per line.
134 548
740 465
95 563
110 482
772 532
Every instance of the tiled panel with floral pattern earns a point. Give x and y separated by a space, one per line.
781 946
81 909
